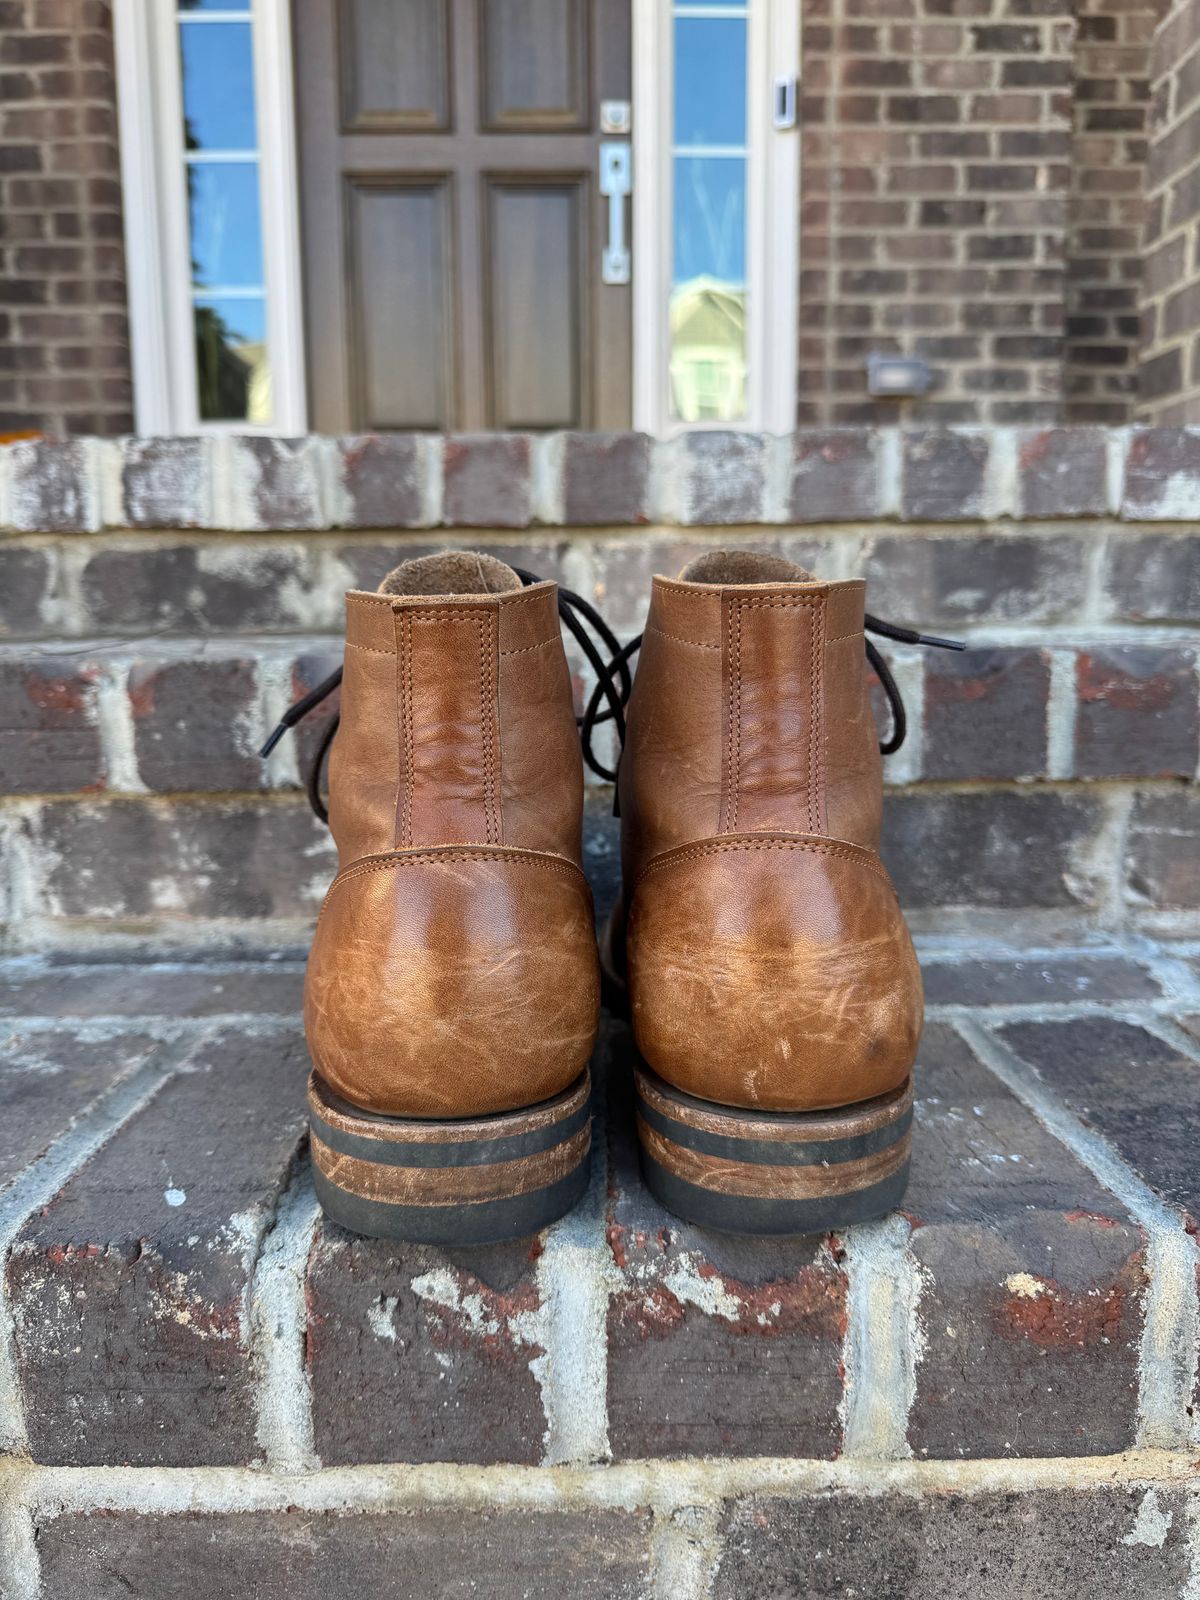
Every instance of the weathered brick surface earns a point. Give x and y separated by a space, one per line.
133 860
193 723
383 479
1155 578
1031 1275
166 483
1163 869
49 741
835 475
423 1355
1062 472
606 478
129 1291
1162 475
226 585
1124 1081
273 1555
283 483
944 475
958 1547
985 714
976 576
1137 712
25 578
53 487
717 1346
980 981
190 988
64 341
488 482
721 477
48 1078
992 849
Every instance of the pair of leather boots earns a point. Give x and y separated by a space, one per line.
454 984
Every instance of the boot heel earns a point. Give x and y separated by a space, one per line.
778 1172
475 1181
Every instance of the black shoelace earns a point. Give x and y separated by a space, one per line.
613 685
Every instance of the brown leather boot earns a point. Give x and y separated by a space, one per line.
774 992
452 990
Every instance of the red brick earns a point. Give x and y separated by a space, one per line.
49 739
1137 713
985 714
487 481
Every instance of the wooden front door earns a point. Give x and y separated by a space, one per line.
454 227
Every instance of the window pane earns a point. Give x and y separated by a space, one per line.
710 218
708 297
226 233
710 80
233 377
218 86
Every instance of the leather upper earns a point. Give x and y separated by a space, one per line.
453 971
767 960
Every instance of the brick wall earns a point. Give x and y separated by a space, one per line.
64 341
161 601
1107 208
935 182
1170 372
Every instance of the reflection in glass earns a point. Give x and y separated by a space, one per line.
232 371
229 310
708 295
218 86
226 231
710 81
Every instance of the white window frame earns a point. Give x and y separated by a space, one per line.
772 220
150 104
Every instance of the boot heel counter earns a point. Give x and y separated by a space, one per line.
773 971
452 982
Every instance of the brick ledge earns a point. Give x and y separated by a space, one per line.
710 479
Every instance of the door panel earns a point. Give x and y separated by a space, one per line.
395 64
535 64
453 228
398 238
535 323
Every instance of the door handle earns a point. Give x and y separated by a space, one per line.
616 182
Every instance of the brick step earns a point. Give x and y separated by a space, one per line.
1034 576
1005 1371
188 715
925 1539
1002 1315
1009 575
513 480
244 870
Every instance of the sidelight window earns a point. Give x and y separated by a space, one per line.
716 186
211 229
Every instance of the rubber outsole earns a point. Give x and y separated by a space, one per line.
470 1181
764 1172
